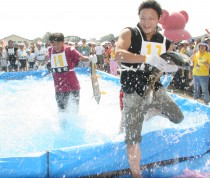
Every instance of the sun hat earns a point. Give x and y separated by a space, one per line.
203 44
191 40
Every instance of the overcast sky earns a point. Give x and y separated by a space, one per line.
89 18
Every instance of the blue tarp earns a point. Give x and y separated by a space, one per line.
199 164
33 166
84 160
22 75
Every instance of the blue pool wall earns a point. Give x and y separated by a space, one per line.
93 159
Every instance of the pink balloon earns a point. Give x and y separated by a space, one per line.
174 25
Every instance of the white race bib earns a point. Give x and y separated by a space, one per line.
58 60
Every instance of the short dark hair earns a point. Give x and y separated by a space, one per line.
56 37
151 4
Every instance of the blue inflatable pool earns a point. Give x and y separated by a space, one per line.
172 149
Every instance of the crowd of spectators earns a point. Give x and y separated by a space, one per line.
184 78
104 52
23 57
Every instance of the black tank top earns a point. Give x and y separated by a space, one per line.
138 81
12 56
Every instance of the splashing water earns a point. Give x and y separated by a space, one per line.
29 121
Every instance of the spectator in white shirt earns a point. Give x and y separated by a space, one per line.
40 53
99 53
22 57
3 59
31 59
92 59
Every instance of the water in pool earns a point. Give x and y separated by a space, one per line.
29 121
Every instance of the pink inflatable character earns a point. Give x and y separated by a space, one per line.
174 25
